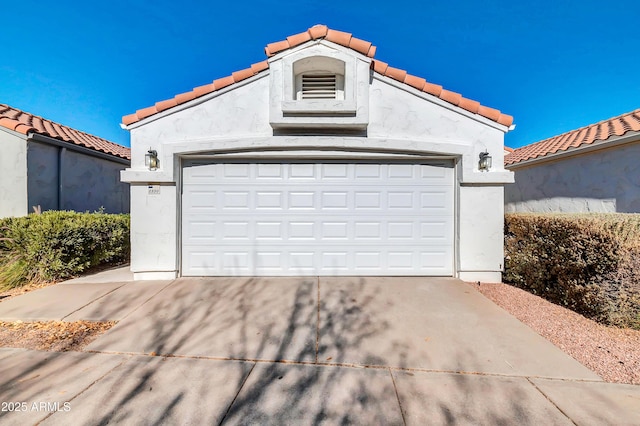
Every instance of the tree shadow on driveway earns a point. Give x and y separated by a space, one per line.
297 351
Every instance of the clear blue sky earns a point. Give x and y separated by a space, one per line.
553 65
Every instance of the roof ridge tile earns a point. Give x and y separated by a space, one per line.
454 98
201 90
361 46
339 37
318 31
298 39
223 82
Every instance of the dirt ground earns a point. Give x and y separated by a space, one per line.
58 336
612 353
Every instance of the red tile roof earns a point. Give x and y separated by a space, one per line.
23 122
338 37
616 126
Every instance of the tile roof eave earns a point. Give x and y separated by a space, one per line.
505 122
611 142
189 101
24 123
39 137
593 134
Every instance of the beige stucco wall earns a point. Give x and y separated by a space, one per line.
606 180
88 183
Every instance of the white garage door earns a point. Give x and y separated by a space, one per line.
317 218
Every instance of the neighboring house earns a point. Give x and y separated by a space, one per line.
592 169
319 160
46 164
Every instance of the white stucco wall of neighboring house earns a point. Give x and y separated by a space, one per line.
401 120
604 181
13 174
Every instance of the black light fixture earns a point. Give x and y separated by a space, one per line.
151 159
485 161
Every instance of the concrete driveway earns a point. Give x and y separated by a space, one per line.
305 351
439 324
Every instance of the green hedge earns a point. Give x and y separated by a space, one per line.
589 263
59 244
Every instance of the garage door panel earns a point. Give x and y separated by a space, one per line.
235 230
267 231
400 171
331 260
368 260
414 231
335 171
331 200
400 200
334 260
236 171
400 259
435 175
304 172
317 219
334 231
200 260
203 200
269 260
302 231
434 260
368 171
301 200
367 200
436 200
269 200
367 230
199 230
438 232
400 230
302 261
236 200
270 172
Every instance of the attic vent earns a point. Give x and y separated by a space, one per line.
319 86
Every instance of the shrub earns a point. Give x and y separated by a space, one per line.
59 244
588 263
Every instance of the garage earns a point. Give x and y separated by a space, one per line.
293 218
320 160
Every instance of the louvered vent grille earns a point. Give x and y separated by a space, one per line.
319 86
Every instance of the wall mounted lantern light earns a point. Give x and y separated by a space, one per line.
485 161
151 159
